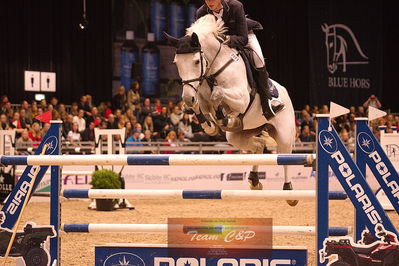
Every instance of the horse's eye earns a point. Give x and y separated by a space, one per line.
197 62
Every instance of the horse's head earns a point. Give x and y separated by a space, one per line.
331 43
191 65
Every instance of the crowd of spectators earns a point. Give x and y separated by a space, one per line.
345 124
149 120
145 120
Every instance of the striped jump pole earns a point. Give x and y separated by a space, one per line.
198 194
163 228
173 159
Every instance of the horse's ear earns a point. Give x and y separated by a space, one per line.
172 41
194 40
324 27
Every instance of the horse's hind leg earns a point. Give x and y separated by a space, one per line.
284 146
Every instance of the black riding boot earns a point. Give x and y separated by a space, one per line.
270 106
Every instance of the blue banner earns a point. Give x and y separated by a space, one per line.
12 208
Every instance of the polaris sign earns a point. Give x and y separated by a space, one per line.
163 256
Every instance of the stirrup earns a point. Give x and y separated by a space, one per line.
275 105
273 109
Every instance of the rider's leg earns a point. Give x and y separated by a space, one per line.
272 105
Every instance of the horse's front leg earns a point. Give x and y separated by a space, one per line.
207 125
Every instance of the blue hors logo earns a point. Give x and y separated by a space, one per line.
124 259
52 144
328 142
365 142
166 261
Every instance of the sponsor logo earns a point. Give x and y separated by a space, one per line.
350 178
52 144
339 41
165 261
385 174
392 150
328 142
124 259
365 142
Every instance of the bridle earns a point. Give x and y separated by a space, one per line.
210 78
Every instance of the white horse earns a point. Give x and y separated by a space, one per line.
200 54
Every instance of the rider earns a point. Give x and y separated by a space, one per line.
238 36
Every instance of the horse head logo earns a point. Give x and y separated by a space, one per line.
339 40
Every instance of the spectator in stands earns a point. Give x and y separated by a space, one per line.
25 106
35 133
372 101
83 105
121 121
112 124
185 126
128 129
129 113
23 143
198 132
157 106
33 110
7 110
146 110
89 101
139 129
345 137
171 106
182 138
119 99
45 128
361 112
54 103
67 126
93 117
148 139
352 110
74 135
88 133
307 135
43 105
74 109
4 123
161 120
324 109
25 120
134 137
298 134
108 109
79 119
148 124
133 97
171 140
307 121
176 116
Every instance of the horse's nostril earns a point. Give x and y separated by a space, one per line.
193 99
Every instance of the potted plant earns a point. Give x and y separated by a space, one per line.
105 179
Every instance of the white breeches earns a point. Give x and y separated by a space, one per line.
253 43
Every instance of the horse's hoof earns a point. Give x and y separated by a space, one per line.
253 180
259 186
288 186
210 128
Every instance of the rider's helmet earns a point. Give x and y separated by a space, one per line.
380 230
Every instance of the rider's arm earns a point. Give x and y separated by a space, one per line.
241 39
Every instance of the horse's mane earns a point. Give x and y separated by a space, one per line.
207 25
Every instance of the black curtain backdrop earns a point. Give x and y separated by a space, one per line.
44 35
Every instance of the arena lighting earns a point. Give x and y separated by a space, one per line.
84 23
40 96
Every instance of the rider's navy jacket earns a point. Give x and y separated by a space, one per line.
234 19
